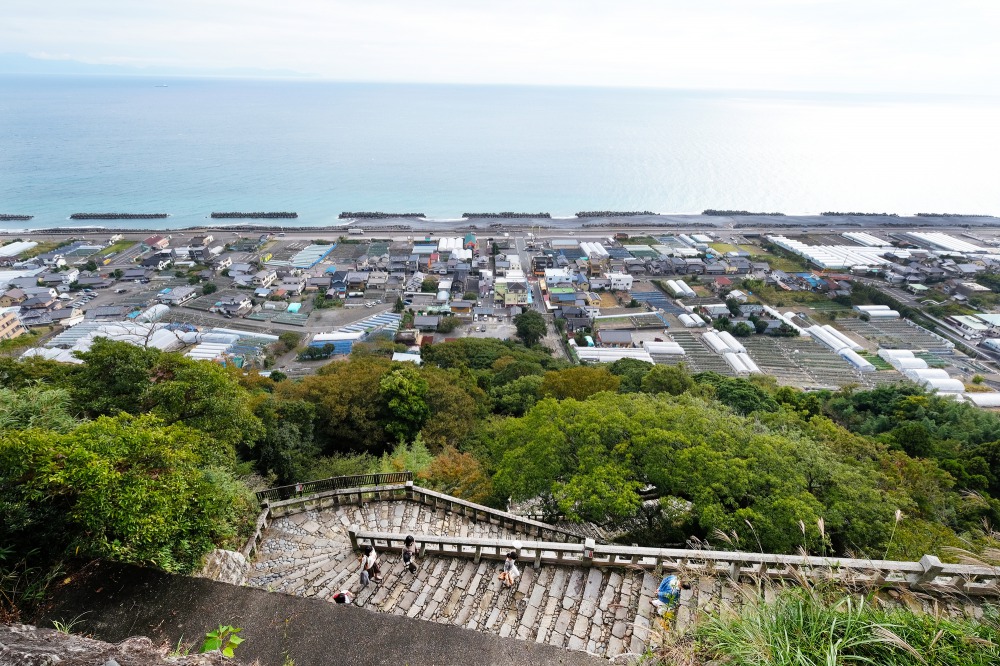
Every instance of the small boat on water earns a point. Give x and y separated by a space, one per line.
161 85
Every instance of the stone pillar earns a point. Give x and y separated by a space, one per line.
588 552
932 569
352 531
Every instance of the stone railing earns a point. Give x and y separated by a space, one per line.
307 488
929 574
401 492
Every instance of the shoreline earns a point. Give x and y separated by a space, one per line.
666 221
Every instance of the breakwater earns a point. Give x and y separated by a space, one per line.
119 216
278 215
614 213
834 213
951 215
15 218
378 215
735 213
507 215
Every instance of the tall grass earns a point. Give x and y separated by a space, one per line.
825 626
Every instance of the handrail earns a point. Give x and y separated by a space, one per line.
410 492
929 573
333 483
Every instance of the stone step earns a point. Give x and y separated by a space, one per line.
592 609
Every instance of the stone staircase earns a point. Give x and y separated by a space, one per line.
603 611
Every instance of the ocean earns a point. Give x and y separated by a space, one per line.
122 144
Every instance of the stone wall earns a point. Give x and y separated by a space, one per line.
225 566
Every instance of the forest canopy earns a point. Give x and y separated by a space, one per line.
150 457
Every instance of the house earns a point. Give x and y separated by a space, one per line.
462 307
514 293
66 316
140 274
265 278
10 324
558 276
619 281
541 262
970 327
46 292
107 313
377 279
971 288
293 284
12 297
695 266
94 282
61 277
426 323
159 260
721 283
38 303
740 296
614 338
241 268
356 280
222 262
233 306
178 296
156 243
321 283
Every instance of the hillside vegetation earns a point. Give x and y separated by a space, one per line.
151 458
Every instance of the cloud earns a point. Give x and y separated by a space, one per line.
865 45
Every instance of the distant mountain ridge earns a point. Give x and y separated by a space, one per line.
19 63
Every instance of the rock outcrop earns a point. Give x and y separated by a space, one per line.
26 645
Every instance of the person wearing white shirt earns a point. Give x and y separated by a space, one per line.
369 566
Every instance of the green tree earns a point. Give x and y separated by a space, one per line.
631 371
91 265
126 488
114 377
118 273
579 382
743 330
448 324
287 448
209 288
530 326
667 379
205 396
36 406
429 285
734 307
404 393
516 397
398 306
413 457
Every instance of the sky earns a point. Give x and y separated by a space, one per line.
918 46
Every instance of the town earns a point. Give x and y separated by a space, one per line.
814 308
